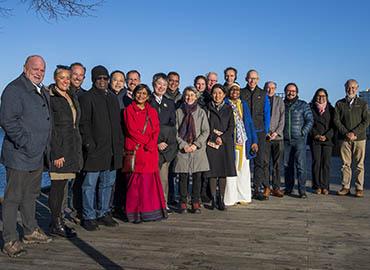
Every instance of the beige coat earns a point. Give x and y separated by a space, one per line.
196 161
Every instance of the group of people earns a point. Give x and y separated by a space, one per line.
139 154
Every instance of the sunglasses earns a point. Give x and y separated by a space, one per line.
105 78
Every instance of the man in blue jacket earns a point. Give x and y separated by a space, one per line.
298 123
25 118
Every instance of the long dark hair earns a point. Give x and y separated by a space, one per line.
314 98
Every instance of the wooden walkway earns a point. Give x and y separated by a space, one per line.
322 232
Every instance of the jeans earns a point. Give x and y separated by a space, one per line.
295 159
106 181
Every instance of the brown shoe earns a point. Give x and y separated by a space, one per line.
266 193
317 191
14 249
277 193
196 208
344 191
359 193
324 191
37 237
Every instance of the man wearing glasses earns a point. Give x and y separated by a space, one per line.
102 142
173 91
259 106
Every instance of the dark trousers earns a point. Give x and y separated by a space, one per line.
119 191
56 197
321 158
295 159
221 185
276 152
197 183
22 190
261 162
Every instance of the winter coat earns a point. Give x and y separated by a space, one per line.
277 117
25 119
351 118
147 154
101 131
175 96
298 120
259 105
66 139
196 161
167 119
221 160
322 125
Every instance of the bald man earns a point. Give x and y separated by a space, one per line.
25 119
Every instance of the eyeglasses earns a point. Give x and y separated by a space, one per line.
105 78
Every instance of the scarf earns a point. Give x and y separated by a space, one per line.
240 133
321 107
187 127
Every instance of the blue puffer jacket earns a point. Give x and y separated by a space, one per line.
298 120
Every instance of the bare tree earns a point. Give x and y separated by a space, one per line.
52 10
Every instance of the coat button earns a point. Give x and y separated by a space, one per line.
48 118
43 105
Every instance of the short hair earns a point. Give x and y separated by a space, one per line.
192 89
267 83
173 73
217 85
158 76
32 56
77 64
199 77
211 73
233 69
118 71
289 84
134 71
250 71
348 82
317 92
140 87
60 68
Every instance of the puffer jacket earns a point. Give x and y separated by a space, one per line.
298 120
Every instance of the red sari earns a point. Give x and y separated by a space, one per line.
144 199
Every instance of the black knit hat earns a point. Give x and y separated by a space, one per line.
98 71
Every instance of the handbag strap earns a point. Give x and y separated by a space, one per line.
144 129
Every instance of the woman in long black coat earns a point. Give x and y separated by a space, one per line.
66 144
321 141
220 145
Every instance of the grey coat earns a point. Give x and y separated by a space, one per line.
196 161
277 121
25 118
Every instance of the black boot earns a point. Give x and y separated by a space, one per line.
221 204
214 202
58 228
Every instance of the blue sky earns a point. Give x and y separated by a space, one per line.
313 43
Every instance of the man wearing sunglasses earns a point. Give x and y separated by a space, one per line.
102 141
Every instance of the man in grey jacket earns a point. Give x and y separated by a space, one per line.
25 118
275 136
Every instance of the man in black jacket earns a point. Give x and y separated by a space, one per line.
102 142
77 78
259 106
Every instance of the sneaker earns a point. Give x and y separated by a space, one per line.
14 249
107 220
344 191
37 237
90 225
359 193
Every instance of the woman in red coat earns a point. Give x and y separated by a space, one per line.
144 199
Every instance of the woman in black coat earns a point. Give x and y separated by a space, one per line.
220 145
65 152
321 141
167 144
